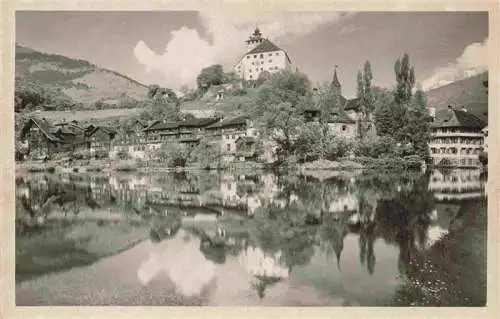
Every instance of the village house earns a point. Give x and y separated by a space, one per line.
99 140
262 58
236 137
130 140
39 136
456 138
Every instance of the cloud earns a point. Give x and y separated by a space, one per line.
474 60
188 52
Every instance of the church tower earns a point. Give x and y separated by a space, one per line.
336 87
255 39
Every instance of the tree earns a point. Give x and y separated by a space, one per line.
205 155
212 75
417 126
360 90
367 102
405 78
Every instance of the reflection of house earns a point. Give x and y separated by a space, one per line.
347 203
456 184
263 57
485 139
456 138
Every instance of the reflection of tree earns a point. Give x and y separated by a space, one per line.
332 233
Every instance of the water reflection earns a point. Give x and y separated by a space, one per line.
259 238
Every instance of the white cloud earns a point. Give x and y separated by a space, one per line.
187 52
474 60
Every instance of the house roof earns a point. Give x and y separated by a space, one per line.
457 118
247 139
240 120
352 104
198 122
45 127
160 125
105 129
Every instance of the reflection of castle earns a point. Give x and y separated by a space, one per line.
456 184
266 268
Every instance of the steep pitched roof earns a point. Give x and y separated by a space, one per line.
105 129
160 125
45 127
265 46
457 118
352 104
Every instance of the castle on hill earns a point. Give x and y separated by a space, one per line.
262 58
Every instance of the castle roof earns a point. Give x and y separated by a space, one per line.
265 46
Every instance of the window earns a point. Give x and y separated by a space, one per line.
277 53
261 56
248 57
262 69
228 147
255 55
251 75
270 61
344 128
270 54
262 62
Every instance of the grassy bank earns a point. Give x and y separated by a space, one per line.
454 271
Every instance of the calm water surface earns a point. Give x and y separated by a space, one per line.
233 239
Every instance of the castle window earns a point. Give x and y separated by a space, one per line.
270 54
251 75
248 57
344 127
261 56
270 61
255 55
262 69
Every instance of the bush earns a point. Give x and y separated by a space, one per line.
51 169
75 170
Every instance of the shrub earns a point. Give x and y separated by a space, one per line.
51 169
75 170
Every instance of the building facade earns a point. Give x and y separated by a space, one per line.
262 58
456 138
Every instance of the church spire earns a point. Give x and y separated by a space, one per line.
336 82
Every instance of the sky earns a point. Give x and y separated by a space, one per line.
170 48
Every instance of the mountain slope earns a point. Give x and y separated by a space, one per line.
76 80
468 92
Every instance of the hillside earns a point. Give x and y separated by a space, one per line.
468 92
75 80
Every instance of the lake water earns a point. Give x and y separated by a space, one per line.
254 239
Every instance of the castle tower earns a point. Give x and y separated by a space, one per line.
336 87
255 39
